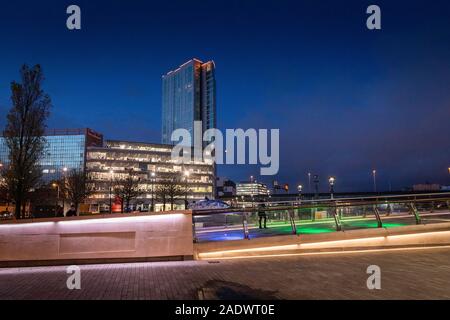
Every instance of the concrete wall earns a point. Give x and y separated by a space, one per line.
117 237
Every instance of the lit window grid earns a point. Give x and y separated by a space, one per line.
64 151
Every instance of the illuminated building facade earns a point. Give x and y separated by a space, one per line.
65 150
189 94
152 165
251 189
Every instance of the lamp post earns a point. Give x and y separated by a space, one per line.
299 189
374 175
309 182
55 185
152 180
316 186
64 170
186 176
111 172
331 181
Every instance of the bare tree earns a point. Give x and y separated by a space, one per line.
170 190
127 189
74 187
161 194
176 190
23 135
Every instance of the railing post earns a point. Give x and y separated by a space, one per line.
245 225
377 215
292 220
415 212
432 207
336 219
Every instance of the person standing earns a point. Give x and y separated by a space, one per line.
262 216
71 212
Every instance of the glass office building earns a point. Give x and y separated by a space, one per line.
65 148
189 94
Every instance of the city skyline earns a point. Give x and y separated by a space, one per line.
348 104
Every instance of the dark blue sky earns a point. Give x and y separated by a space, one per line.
346 99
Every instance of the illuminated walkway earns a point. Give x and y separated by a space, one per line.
314 227
414 274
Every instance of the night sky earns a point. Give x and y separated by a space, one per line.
346 99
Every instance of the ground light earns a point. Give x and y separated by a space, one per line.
369 241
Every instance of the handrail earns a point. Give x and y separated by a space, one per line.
332 203
358 198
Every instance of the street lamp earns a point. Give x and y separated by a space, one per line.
374 174
299 189
309 182
331 181
186 176
65 185
111 172
152 180
55 185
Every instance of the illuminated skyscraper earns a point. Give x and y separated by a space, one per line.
188 95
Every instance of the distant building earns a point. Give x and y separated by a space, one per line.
426 187
225 187
65 150
152 164
251 189
188 95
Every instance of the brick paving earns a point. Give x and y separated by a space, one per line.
421 274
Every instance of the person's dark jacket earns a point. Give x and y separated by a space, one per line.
261 211
71 213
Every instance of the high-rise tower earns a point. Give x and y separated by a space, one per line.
188 95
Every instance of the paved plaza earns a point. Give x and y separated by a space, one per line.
411 274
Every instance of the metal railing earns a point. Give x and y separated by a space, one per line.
290 217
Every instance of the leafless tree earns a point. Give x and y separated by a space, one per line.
23 135
161 194
74 187
169 190
127 189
